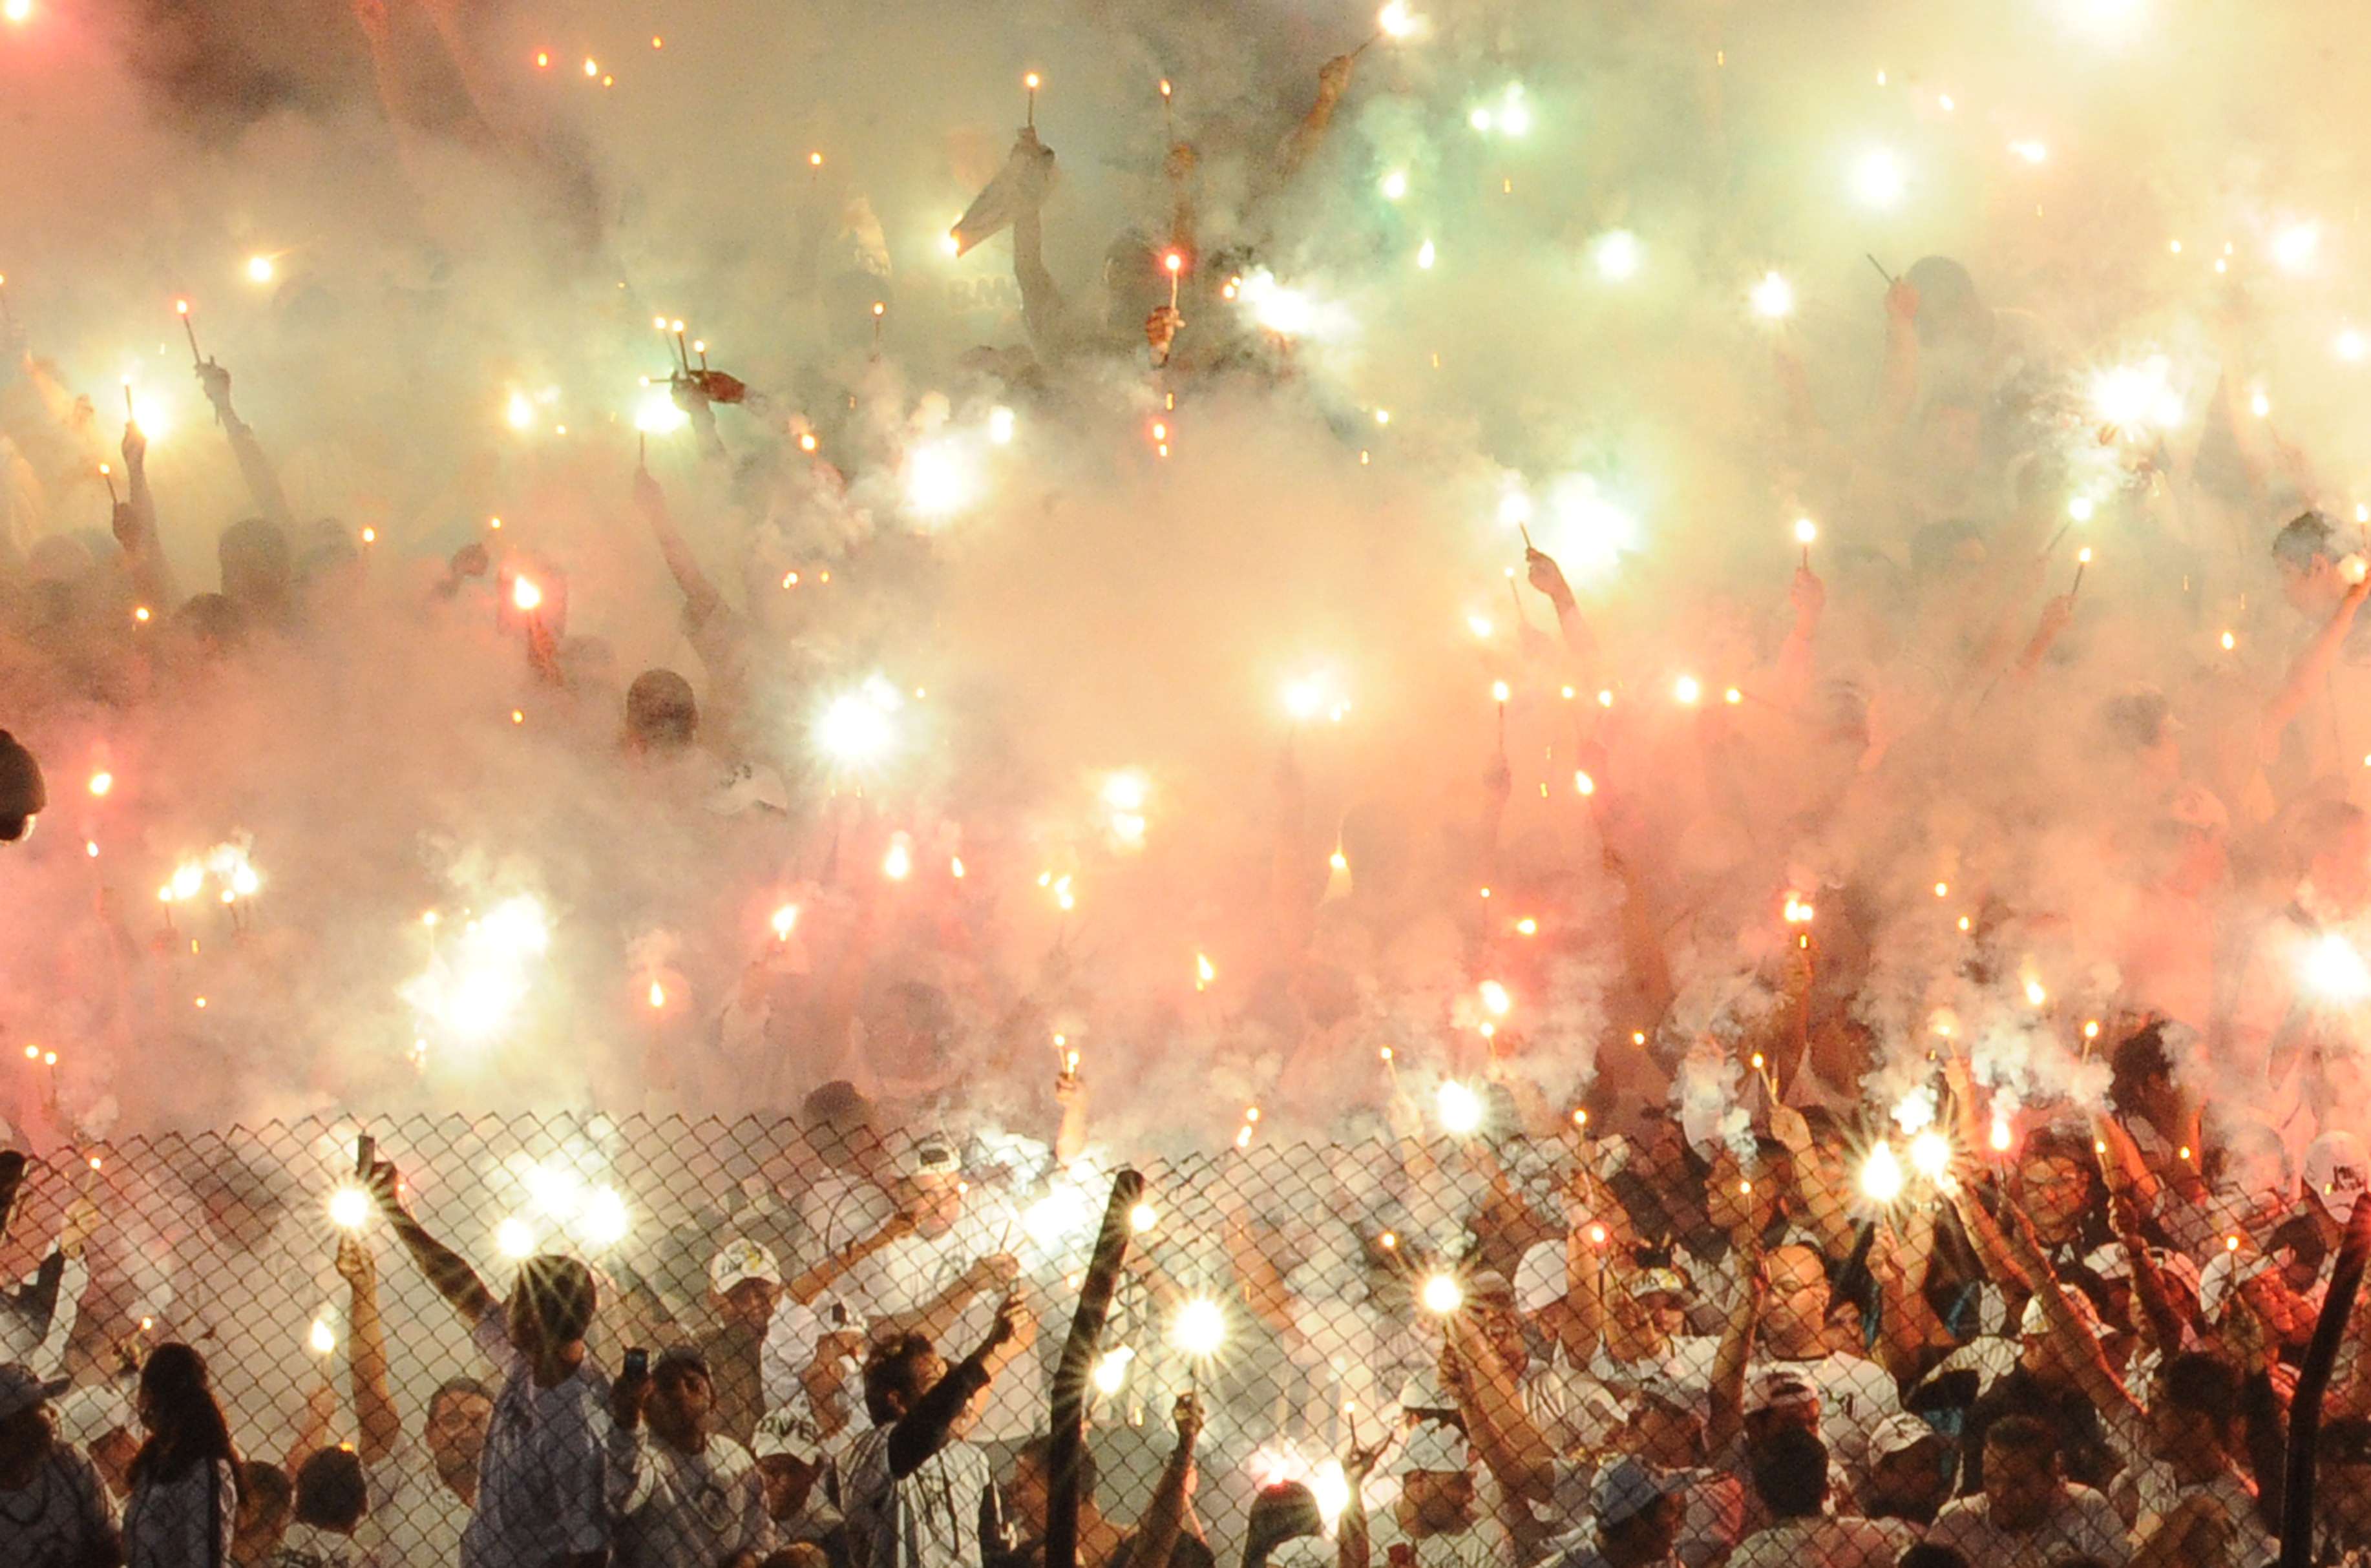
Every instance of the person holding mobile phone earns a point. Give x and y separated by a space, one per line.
540 1497
684 1494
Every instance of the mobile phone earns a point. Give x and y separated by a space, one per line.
638 1363
366 1153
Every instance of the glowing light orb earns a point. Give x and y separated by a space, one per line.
1930 1155
514 1239
261 270
856 727
526 595
520 411
2134 396
1879 179
1001 425
1618 256
1687 691
1459 1107
2294 247
350 1208
2334 970
1111 1370
1395 185
656 413
1441 1295
1142 1217
606 1221
1880 1175
321 1339
940 479
1495 999
1806 531
1200 1328
1395 20
1773 297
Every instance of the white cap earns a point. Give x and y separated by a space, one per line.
2334 1172
787 1432
1898 1434
2226 1273
740 1260
2034 1322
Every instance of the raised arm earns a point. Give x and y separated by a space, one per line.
2309 672
262 483
1332 81
1164 1516
135 526
378 1427
446 1270
807 1287
650 505
924 1430
1727 1395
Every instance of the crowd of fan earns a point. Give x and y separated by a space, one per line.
2082 1351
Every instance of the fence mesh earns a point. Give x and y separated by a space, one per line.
1318 1300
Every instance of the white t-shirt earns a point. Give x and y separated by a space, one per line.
540 1479
184 1523
928 1520
2085 1525
839 1209
56 1519
414 1517
1856 1396
679 1510
1825 1542
2149 1491
913 1271
309 1545
1482 1544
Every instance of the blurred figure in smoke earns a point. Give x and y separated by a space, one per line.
2317 729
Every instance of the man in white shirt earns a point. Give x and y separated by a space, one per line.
1854 1393
1435 1518
915 1491
2027 1514
1790 1475
683 1496
420 1493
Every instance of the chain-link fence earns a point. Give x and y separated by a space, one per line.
1304 1293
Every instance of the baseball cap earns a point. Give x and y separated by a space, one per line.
1775 1387
2034 1322
1658 1282
1899 1433
2225 1272
2334 1172
1627 1488
1433 1447
20 1390
786 1433
740 1260
1489 1285
1539 1277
